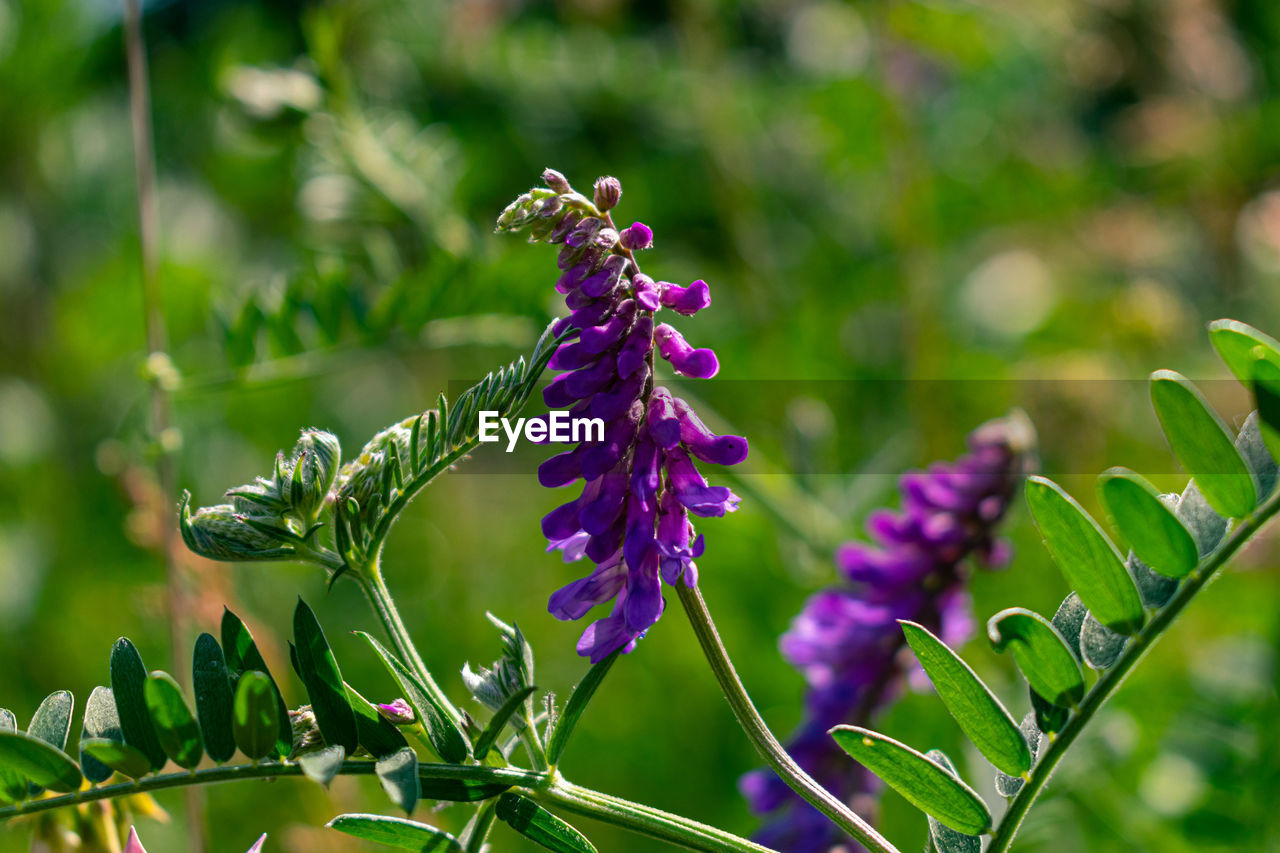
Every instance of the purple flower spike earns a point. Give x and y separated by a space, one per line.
846 640
637 236
632 519
698 363
686 300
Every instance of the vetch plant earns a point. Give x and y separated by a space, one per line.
633 522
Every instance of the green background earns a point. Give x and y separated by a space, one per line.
913 216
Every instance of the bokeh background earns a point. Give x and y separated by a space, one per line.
913 216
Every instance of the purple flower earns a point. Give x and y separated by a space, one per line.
640 482
398 711
846 641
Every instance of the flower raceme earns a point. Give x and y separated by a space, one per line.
847 642
641 484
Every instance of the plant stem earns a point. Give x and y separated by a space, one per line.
645 820
1133 653
375 589
758 732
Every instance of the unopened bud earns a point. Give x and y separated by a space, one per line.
608 193
556 181
637 236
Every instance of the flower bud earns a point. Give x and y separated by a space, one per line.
556 181
398 712
222 533
315 464
608 192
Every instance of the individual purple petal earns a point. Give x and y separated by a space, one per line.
570 356
562 522
664 425
605 636
697 363
692 490
646 470
703 443
591 315
638 543
644 594
609 404
598 339
618 436
585 230
646 291
572 547
637 236
587 380
603 282
635 351
677 554
576 599
556 395
571 279
562 229
599 511
561 469
686 300
603 546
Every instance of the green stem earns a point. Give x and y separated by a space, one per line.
762 739
261 770
1133 653
375 589
645 820
477 831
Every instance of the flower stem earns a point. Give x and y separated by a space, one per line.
1133 653
761 738
375 589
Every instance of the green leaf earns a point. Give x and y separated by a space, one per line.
944 838
13 785
924 784
128 687
1041 654
377 734
446 737
541 826
975 708
101 722
321 766
1200 440
1069 620
499 722
254 719
1153 530
1252 441
116 756
1100 645
1006 785
574 708
398 774
1208 528
1085 556
319 672
396 832
40 762
243 656
51 722
214 698
1050 718
175 726
1240 345
1266 392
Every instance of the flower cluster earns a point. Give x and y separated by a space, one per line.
847 642
641 485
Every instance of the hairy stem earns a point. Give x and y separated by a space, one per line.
645 820
758 732
1133 653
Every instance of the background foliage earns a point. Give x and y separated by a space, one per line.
913 215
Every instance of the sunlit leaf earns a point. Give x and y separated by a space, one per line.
1266 392
128 687
116 756
174 724
242 655
446 737
944 838
101 722
575 707
975 708
396 832
499 721
1085 556
254 720
541 826
1154 532
319 672
40 762
1200 440
1240 344
922 783
1041 654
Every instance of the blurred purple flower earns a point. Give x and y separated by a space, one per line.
846 641
640 483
